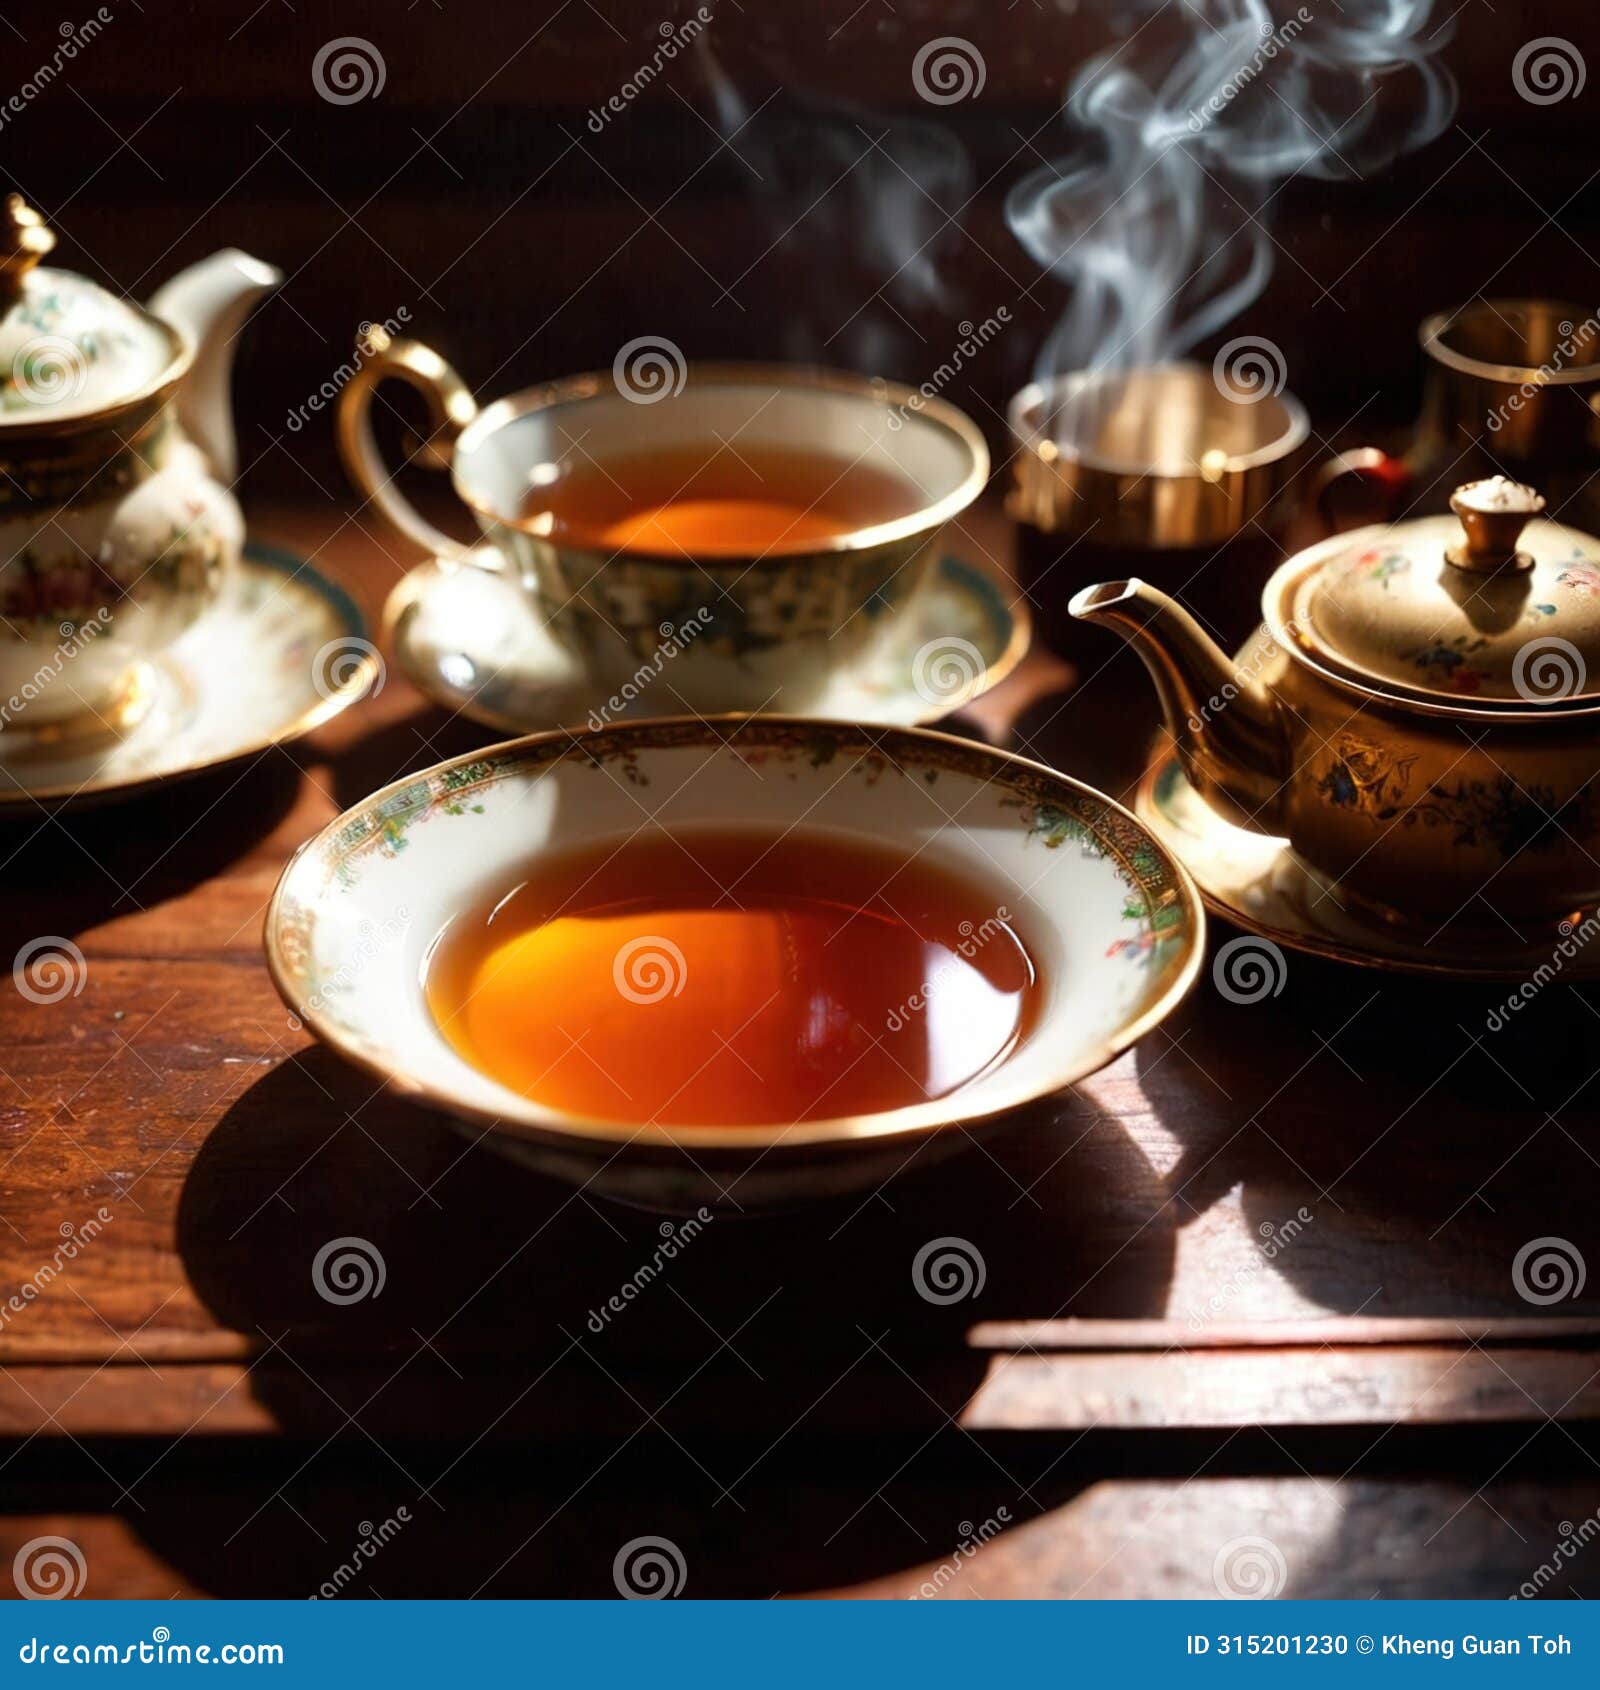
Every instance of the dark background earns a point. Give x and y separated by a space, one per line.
470 191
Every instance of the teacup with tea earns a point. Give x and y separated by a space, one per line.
753 520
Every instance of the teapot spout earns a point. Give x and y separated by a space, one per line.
1227 726
209 302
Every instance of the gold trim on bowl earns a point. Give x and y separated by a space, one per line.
524 1118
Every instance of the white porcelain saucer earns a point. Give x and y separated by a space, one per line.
281 652
473 644
1256 882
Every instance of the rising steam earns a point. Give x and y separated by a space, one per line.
1156 218
870 197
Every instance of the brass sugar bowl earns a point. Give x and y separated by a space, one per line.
1418 713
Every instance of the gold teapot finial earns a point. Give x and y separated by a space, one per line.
1493 514
25 238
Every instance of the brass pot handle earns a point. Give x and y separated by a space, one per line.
450 408
1386 479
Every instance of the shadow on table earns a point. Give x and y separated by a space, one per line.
427 735
1427 1127
481 1332
517 1367
89 865
1394 1152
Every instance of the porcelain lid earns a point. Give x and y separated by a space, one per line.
68 348
1492 605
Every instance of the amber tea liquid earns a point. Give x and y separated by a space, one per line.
706 500
733 977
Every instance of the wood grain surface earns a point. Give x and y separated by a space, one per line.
1300 1215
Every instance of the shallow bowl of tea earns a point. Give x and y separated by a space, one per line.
1112 923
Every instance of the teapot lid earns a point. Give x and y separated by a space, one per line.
68 348
1493 605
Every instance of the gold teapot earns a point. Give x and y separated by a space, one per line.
1418 713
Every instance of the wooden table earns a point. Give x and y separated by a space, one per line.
1252 1282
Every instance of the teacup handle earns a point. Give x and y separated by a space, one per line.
450 408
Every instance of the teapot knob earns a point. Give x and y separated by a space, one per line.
25 238
1493 514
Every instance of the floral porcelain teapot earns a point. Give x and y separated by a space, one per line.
1419 712
116 531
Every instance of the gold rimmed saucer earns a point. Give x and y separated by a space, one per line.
1257 883
281 652
473 643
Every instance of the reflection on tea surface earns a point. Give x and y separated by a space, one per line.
709 500
733 977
